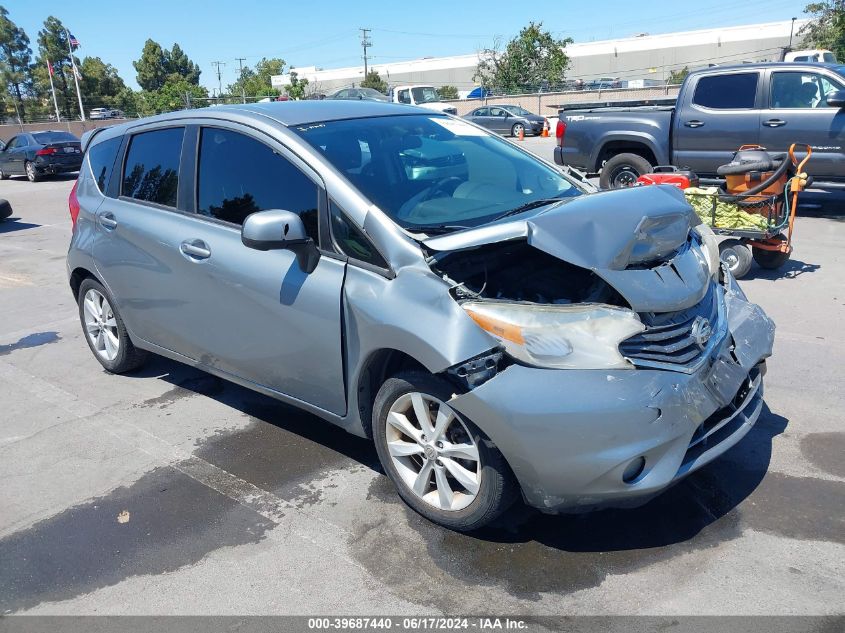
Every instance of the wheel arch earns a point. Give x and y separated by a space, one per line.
77 276
643 145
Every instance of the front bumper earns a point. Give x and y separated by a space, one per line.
569 435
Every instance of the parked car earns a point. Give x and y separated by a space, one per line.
37 154
491 325
423 96
99 113
360 94
507 119
717 110
819 55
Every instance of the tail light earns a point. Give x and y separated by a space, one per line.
73 205
560 132
46 151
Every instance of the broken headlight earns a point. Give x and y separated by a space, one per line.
584 336
710 246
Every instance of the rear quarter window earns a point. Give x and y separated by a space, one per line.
726 92
151 170
101 157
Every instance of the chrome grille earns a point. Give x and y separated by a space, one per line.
668 338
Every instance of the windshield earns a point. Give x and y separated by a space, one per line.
426 94
45 138
517 110
435 173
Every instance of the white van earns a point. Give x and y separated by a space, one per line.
422 96
819 55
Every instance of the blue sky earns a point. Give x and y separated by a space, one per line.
325 33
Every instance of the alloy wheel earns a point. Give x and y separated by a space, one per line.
101 325
30 172
433 451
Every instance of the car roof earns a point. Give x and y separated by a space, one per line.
839 68
292 113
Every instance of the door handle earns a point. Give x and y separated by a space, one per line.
694 123
195 249
107 221
774 122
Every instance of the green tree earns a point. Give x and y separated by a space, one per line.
296 89
255 82
158 66
530 60
678 76
447 92
100 83
53 49
826 28
15 59
373 80
175 94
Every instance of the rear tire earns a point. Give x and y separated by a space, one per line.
623 170
737 256
770 260
31 173
409 456
101 322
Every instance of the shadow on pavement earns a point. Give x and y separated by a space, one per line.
11 225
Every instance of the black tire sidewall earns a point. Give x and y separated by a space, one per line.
497 490
125 359
743 254
635 162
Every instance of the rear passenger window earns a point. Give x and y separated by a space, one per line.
726 92
239 175
151 171
101 158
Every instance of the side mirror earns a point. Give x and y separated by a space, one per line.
275 230
836 99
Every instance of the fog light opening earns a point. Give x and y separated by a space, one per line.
633 470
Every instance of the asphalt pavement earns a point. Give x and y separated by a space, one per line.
169 491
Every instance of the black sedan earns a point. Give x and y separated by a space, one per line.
507 119
36 154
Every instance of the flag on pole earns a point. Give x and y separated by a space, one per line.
73 41
53 90
50 68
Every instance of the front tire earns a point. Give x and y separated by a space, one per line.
3 175
515 130
104 330
442 465
31 173
623 170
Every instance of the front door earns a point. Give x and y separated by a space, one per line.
797 112
195 289
719 114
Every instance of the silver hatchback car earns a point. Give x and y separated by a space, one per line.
494 326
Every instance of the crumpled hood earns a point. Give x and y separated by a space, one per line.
636 239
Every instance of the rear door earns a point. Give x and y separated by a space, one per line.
720 112
797 112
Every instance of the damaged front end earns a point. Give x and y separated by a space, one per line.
628 357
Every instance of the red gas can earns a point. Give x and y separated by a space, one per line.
669 175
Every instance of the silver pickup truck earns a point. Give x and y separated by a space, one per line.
717 110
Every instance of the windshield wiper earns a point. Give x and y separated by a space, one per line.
435 229
527 207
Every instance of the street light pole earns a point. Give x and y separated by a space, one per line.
791 29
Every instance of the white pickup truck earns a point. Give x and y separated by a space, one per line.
423 96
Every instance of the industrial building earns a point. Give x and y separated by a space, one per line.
643 59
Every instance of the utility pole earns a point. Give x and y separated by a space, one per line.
241 61
365 43
791 28
219 80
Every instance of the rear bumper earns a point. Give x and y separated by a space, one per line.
45 167
569 435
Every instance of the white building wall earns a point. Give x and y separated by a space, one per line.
646 57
